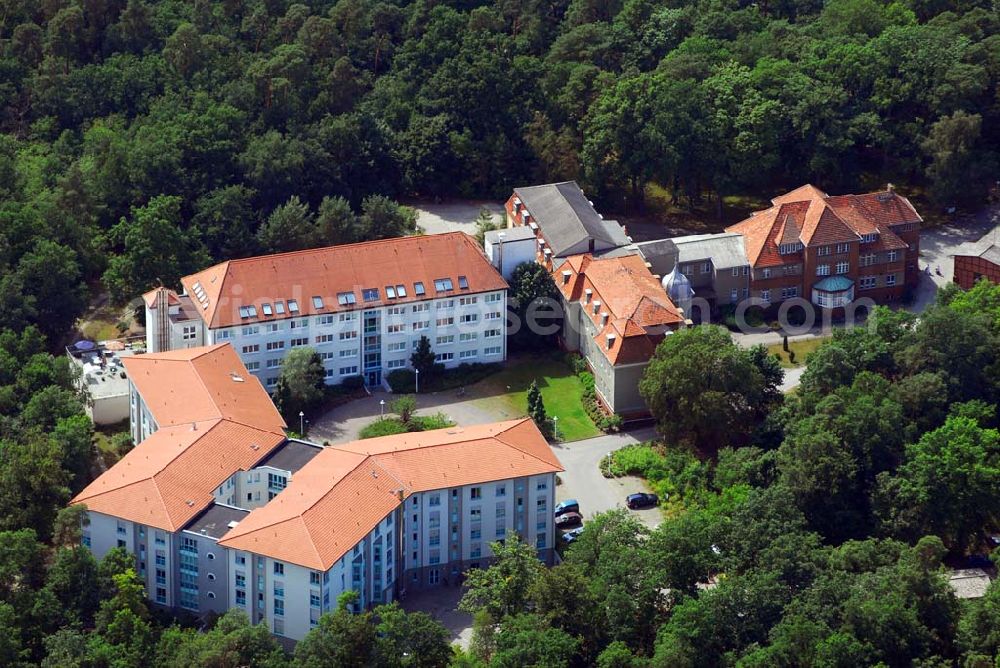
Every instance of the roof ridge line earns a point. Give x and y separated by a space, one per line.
521 450
356 244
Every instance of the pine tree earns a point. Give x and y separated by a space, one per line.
536 407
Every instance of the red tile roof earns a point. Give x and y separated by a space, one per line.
810 216
327 272
210 426
341 494
638 308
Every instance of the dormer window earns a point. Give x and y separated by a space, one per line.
869 238
566 276
443 284
587 294
293 306
597 307
418 289
787 249
317 302
390 292
279 308
400 291
266 309
244 313
370 294
463 283
604 318
252 311
346 298
611 341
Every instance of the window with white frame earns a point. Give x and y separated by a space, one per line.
345 336
224 335
396 347
251 331
867 260
299 342
395 364
734 294
444 357
867 282
843 248
823 270
325 320
765 273
326 355
253 366
492 350
789 292
251 349
468 336
324 338
395 310
493 297
765 295
421 325
492 315
445 340
420 308
348 353
349 370
892 256
470 317
445 322
466 354
706 267
398 328
348 317
890 280
468 301
843 267
824 250
491 333
274 363
189 333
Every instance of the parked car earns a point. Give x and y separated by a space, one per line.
567 506
570 519
572 534
641 500
993 539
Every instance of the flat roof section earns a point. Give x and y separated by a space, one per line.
292 456
216 521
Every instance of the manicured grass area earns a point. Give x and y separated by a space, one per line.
801 348
561 392
393 425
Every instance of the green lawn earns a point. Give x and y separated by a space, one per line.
801 348
561 392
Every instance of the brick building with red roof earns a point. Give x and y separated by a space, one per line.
831 250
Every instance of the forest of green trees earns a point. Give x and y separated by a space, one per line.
140 139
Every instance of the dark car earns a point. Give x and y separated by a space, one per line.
570 519
567 506
572 534
641 500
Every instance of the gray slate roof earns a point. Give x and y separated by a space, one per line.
988 247
511 234
567 218
726 250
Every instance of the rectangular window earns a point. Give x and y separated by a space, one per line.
190 333
348 317
421 325
395 329
445 340
445 322
866 282
298 324
370 294
467 301
395 364
395 310
444 357
275 345
492 350
418 288
788 293
823 270
467 354
765 273
349 370
279 308
540 541
892 256
325 320
476 493
491 333
765 296
445 304
823 250
350 352
253 348
492 315
843 248
390 292
298 343
251 331
279 607
706 267
324 338
420 308
274 363
493 297
443 284
470 317
272 327
890 280
326 355
734 294
468 336
224 335
293 306
397 346
346 336
843 267
346 298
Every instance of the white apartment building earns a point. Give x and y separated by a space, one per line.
363 307
221 510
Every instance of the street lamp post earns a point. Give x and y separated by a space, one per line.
417 381
555 426
302 430
381 409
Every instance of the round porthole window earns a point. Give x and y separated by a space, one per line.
211 555
211 594
211 576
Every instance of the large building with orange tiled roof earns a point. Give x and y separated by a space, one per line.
363 307
222 511
831 250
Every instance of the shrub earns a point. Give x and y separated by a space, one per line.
609 423
390 426
671 473
576 362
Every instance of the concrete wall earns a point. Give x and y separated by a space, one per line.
514 253
109 410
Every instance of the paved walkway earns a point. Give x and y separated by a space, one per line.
453 216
